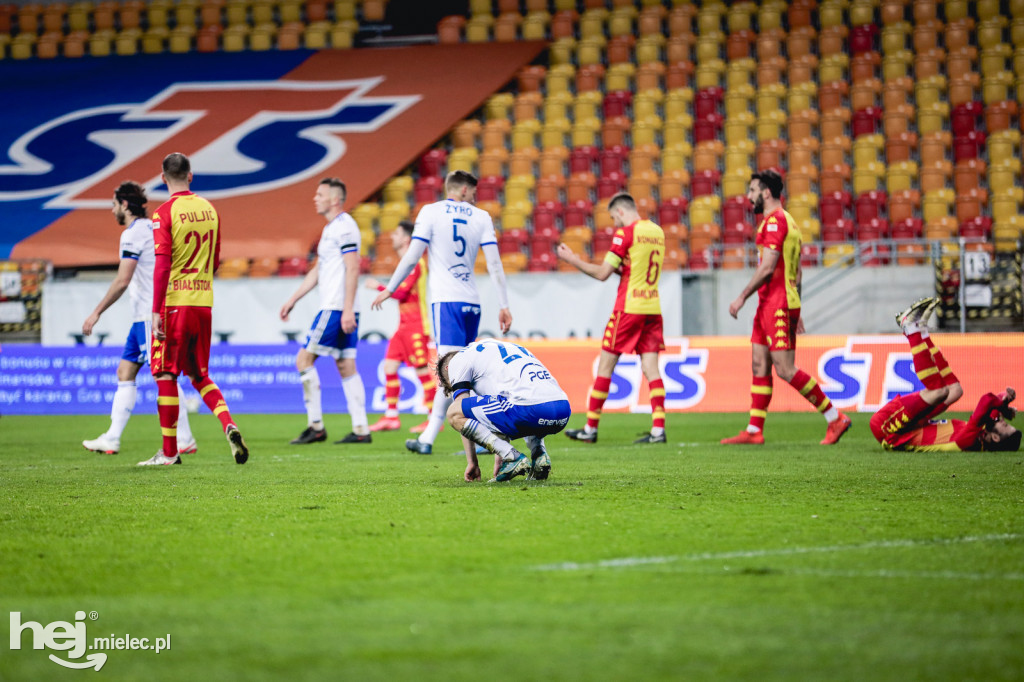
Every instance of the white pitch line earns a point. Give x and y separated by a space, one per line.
631 562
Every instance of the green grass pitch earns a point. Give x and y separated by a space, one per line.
686 561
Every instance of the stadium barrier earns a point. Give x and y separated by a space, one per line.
701 374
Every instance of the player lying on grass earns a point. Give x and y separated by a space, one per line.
905 422
501 392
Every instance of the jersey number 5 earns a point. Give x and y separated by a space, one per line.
456 238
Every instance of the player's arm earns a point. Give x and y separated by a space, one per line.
348 315
769 259
599 271
985 413
497 272
405 289
125 271
412 256
162 248
307 285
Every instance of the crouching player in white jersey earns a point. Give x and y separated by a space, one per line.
454 231
515 397
134 275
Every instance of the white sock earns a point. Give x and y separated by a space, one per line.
916 327
536 445
184 430
437 415
657 430
753 429
311 397
121 408
831 414
587 428
355 396
481 435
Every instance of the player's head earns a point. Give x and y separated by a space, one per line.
1001 436
441 369
622 208
329 197
129 200
401 235
177 169
461 186
761 183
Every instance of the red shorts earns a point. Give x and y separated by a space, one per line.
775 326
186 346
897 422
409 345
633 333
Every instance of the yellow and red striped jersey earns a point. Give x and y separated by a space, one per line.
186 228
640 251
778 232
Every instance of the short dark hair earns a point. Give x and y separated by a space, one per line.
177 166
441 370
459 178
770 180
406 227
336 183
624 198
135 195
1009 443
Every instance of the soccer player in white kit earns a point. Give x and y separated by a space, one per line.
516 397
335 330
134 275
452 232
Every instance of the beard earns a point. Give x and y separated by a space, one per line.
758 205
121 217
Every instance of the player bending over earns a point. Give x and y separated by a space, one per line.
905 422
515 397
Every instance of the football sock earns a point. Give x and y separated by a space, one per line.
812 393
167 411
311 396
945 371
121 408
214 400
184 429
598 394
760 397
657 407
484 437
924 362
355 397
436 422
536 445
429 387
392 389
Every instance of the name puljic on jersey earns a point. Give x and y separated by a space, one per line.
190 285
196 217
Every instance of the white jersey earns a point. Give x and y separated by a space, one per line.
340 236
504 369
137 244
454 232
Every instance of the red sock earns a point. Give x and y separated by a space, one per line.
810 390
924 363
945 371
429 389
598 394
657 404
392 389
167 411
760 397
214 400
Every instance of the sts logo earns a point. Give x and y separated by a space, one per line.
867 373
682 372
233 130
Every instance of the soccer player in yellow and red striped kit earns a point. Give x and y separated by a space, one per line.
186 232
906 421
409 342
637 254
773 341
